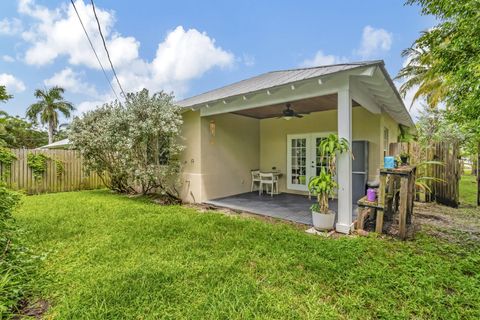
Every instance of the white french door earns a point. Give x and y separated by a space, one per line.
303 159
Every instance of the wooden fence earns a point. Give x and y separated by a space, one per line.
445 186
73 176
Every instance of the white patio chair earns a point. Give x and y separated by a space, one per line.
255 179
268 179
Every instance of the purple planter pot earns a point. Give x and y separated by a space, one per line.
371 195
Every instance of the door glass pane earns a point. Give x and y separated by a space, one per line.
299 161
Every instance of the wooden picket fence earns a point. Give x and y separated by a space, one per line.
445 187
19 176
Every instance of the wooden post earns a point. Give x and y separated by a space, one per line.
381 204
402 223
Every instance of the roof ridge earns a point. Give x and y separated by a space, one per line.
332 65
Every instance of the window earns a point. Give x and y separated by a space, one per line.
386 142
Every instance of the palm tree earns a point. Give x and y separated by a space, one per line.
419 74
50 103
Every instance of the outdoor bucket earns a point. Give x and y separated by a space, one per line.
389 163
371 195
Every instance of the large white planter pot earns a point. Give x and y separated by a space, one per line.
323 221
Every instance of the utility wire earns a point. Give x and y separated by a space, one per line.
106 50
94 51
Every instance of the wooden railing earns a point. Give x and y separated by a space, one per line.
70 177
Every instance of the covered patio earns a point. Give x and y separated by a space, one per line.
249 126
285 206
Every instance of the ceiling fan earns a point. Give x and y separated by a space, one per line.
288 113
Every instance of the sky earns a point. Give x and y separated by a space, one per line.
188 47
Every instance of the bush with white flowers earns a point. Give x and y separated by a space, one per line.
134 146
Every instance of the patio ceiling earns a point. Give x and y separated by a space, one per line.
309 105
308 89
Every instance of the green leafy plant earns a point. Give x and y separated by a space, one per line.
59 166
330 147
38 164
133 145
404 156
423 181
6 159
16 261
324 185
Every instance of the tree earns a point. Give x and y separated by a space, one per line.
419 75
433 126
135 143
4 96
18 133
50 103
454 47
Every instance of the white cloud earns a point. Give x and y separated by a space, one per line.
183 55
13 84
321 59
58 32
374 42
187 54
8 58
71 81
10 26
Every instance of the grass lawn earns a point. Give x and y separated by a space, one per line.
468 190
113 257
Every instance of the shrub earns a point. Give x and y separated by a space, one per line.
38 164
16 263
135 143
6 159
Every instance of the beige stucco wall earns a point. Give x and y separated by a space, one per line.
273 137
393 131
229 154
191 178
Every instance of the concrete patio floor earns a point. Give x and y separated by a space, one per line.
286 206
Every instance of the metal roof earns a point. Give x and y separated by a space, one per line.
270 80
61 144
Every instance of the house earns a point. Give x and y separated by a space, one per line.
247 125
61 144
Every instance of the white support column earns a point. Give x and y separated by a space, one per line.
344 164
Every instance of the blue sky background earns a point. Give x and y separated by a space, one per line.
219 42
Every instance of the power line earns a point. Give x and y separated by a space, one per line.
94 51
106 50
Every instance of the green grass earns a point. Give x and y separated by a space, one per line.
468 190
113 257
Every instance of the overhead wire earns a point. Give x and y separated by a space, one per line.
93 48
106 49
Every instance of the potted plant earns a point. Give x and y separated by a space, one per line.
324 185
404 158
